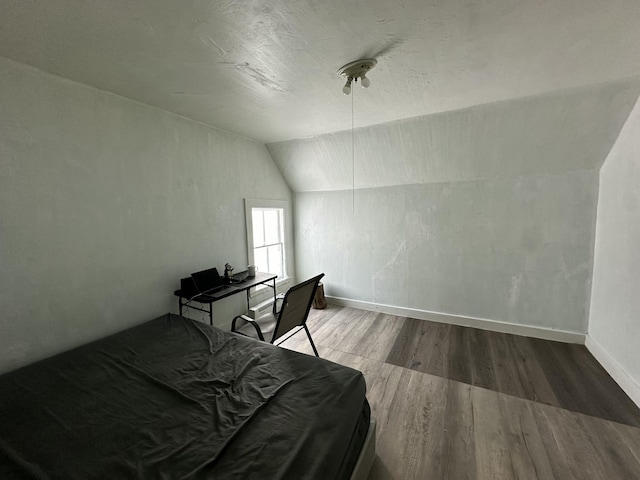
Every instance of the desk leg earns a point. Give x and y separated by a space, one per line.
211 314
275 299
180 305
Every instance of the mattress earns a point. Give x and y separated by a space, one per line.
177 399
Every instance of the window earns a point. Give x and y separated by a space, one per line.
266 235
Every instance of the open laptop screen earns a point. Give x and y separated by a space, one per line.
207 280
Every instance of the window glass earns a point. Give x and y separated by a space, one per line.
260 259
275 259
271 226
266 235
258 227
268 246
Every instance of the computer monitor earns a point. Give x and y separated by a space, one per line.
188 287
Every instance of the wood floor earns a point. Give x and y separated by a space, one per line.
461 403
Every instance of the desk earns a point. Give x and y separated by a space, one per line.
184 298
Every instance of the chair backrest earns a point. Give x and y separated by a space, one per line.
295 307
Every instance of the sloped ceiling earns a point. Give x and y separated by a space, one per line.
556 133
266 69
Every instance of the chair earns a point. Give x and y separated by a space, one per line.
292 316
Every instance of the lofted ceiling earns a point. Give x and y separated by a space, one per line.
267 69
551 134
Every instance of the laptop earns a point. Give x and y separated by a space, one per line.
209 282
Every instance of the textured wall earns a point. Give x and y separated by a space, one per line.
510 250
614 320
487 212
104 205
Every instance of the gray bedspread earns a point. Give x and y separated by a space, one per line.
177 399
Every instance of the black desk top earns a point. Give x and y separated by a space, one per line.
231 289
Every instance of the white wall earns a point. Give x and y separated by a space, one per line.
614 321
515 251
487 212
104 204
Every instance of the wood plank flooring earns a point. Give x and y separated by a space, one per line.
560 374
460 403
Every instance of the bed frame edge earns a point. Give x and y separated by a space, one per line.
367 454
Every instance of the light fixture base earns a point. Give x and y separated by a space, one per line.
357 69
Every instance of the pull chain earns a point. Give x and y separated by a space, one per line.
353 157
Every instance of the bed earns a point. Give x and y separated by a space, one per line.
177 399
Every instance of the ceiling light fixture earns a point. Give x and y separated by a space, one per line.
347 86
355 71
352 72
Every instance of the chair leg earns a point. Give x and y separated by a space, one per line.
313 345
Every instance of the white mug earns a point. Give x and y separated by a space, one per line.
252 270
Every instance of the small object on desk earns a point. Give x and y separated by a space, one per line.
251 270
228 273
239 277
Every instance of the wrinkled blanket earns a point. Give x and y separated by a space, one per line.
177 399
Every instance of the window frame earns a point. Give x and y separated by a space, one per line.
249 205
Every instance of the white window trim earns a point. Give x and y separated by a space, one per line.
249 204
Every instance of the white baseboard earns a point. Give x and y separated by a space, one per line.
613 368
481 323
